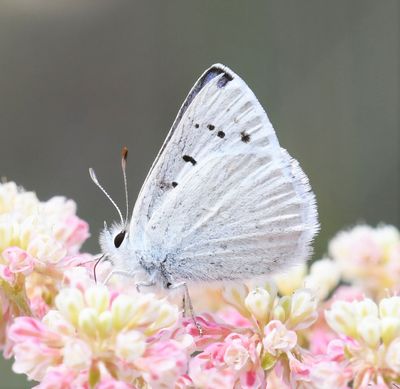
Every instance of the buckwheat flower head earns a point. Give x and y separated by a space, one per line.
261 336
38 242
369 257
93 335
370 333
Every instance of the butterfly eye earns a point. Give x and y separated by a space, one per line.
119 238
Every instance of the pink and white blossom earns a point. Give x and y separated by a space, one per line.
303 329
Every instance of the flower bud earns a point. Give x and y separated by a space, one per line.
365 308
130 345
392 357
258 302
235 296
5 235
279 313
390 307
70 302
341 318
123 310
88 321
390 327
285 303
97 297
303 310
369 330
104 323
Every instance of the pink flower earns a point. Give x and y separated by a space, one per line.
60 377
7 275
73 231
212 330
162 363
278 339
19 261
35 347
37 240
235 361
329 374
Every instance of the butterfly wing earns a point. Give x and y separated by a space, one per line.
223 200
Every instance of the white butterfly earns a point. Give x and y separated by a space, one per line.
222 201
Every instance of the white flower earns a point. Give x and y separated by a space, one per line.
236 355
323 277
278 339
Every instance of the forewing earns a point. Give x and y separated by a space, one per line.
221 115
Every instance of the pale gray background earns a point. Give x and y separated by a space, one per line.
80 78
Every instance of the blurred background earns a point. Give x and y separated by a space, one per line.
81 78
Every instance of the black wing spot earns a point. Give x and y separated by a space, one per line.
224 80
188 158
221 134
211 127
197 125
174 184
245 137
119 238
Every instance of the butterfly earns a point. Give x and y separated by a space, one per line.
222 200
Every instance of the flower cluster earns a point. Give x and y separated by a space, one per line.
96 337
333 324
369 257
39 241
257 336
369 337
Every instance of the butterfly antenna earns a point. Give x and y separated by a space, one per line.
96 181
123 165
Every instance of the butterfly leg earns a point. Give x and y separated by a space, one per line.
186 296
118 273
184 305
140 284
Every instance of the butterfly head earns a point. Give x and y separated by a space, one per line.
114 238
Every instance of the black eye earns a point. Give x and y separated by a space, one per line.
119 239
